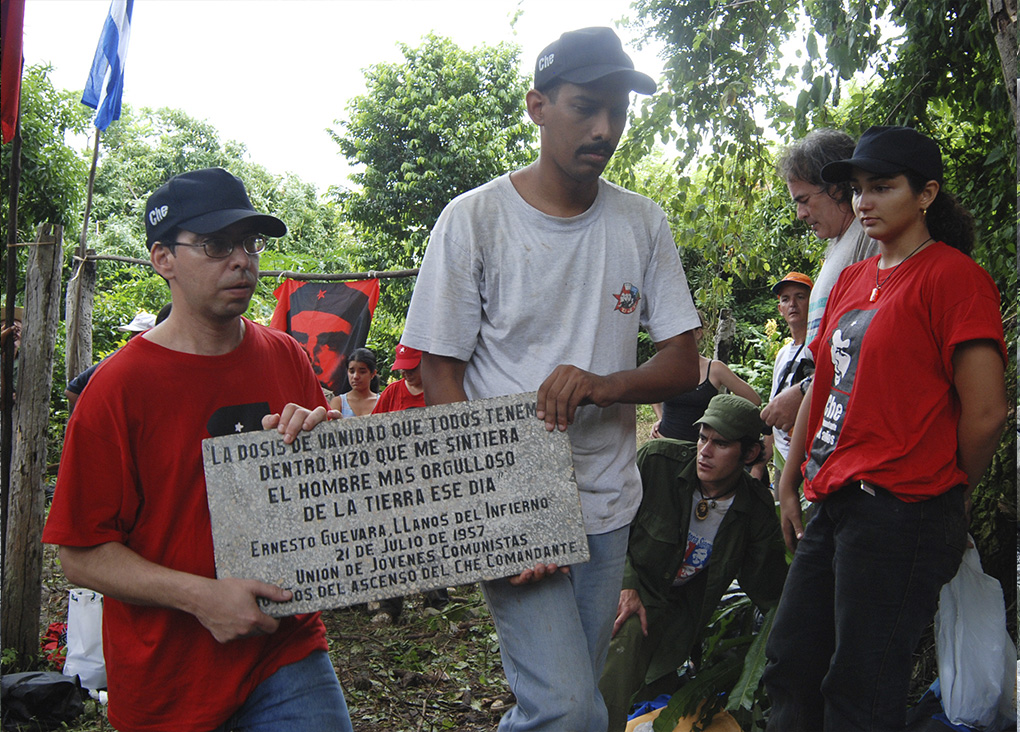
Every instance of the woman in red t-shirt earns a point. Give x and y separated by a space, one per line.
901 420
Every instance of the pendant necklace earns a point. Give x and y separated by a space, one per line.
878 286
701 510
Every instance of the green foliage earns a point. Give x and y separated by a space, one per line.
721 63
142 151
748 686
939 72
441 122
735 240
53 175
729 673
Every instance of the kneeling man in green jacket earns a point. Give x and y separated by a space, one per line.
703 521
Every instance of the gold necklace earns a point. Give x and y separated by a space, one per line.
878 286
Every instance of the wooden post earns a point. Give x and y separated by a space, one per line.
19 625
7 362
76 360
725 330
81 293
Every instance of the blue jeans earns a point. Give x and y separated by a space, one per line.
863 586
554 636
302 697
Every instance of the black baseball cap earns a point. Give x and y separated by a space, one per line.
203 201
887 151
586 55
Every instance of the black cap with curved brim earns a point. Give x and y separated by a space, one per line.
888 151
587 55
204 202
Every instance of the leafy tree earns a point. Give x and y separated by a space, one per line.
53 175
140 152
441 122
941 73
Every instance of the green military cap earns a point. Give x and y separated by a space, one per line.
733 417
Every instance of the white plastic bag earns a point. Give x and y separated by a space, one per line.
85 639
976 656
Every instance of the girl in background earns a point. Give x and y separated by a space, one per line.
362 374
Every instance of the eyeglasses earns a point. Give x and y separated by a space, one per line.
220 247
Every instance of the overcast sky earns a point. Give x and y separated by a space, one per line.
274 74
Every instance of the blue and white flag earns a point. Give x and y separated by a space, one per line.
106 80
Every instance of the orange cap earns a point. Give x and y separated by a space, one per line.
797 277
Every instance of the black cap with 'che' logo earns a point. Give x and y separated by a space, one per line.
203 202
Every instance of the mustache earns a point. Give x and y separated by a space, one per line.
597 149
247 279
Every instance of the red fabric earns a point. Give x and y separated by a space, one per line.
396 398
329 320
888 415
12 20
131 472
54 644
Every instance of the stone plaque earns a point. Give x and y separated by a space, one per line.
385 505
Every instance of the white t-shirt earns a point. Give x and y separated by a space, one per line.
515 292
790 368
853 246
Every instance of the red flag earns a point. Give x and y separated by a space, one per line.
12 18
330 320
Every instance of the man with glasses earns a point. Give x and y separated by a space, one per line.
184 650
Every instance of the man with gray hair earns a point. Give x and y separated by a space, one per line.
828 211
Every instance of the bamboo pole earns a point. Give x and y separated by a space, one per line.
288 274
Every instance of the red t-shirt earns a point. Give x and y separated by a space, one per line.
131 472
883 407
396 398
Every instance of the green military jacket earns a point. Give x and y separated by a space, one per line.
748 546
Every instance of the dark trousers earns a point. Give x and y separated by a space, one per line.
863 586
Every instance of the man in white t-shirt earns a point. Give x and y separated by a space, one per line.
794 361
539 280
827 209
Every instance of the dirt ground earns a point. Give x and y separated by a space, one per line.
431 671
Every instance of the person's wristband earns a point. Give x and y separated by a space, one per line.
804 385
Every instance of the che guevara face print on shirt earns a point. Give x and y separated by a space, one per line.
845 351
